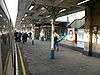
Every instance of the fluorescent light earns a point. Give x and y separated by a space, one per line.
4 26
61 0
62 10
39 19
43 12
42 8
20 21
25 15
83 2
31 7
0 15
22 18
31 24
48 16
23 25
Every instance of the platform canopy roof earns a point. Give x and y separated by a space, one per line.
42 11
5 19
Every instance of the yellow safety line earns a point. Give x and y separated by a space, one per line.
7 60
22 63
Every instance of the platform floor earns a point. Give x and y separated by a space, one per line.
66 62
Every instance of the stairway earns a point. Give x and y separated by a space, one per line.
78 23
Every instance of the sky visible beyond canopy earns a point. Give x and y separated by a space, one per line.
12 6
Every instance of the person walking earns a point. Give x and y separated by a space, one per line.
33 37
15 35
30 35
24 37
56 37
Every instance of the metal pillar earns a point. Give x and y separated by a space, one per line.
90 18
33 34
52 53
90 42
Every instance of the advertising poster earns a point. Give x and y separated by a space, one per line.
71 34
80 38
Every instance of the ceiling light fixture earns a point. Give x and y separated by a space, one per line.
42 8
0 15
83 2
39 19
20 21
22 18
62 10
31 7
25 15
61 0
48 16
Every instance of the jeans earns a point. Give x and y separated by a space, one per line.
56 45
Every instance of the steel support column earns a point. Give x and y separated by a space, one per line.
90 19
52 53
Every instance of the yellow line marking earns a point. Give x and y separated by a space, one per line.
22 63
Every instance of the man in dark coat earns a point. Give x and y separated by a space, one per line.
24 37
